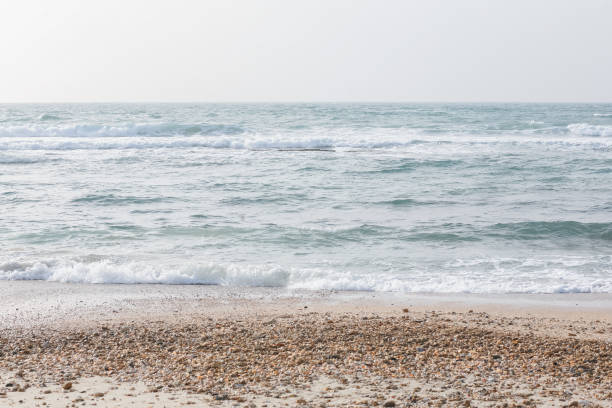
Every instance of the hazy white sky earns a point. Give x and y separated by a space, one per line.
310 50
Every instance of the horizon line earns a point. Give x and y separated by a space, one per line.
302 102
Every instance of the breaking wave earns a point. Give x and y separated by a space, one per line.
586 129
508 276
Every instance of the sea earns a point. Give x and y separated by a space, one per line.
403 197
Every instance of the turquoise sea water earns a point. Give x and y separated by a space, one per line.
488 198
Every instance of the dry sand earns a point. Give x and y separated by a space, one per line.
165 346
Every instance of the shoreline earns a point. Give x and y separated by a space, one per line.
162 345
43 303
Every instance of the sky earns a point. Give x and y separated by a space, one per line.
309 50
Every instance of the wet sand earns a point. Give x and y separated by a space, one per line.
153 345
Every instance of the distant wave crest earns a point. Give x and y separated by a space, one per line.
92 130
290 144
586 129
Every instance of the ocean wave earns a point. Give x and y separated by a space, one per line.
301 238
9 159
509 276
289 145
409 165
111 199
314 144
552 229
557 233
408 202
264 199
520 231
92 130
586 129
605 115
108 271
48 116
531 230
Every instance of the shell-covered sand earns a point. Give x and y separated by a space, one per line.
233 360
321 355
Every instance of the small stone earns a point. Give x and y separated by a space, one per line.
389 404
67 386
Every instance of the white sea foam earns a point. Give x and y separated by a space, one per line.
605 115
586 129
304 142
70 136
106 271
126 130
556 279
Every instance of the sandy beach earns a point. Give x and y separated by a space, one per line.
163 345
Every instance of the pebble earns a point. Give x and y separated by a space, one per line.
222 357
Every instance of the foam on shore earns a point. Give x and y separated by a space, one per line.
463 279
